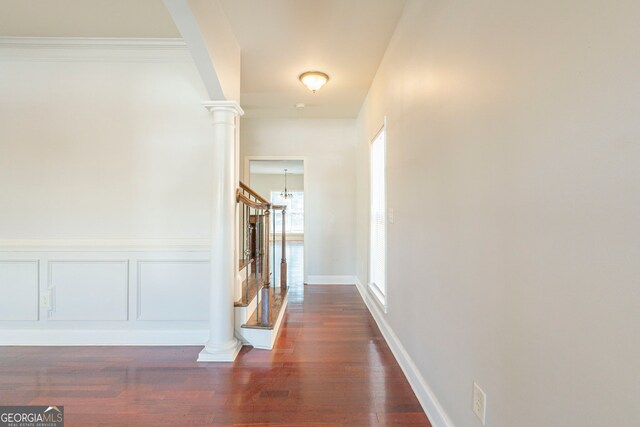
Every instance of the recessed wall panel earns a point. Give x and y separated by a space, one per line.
173 290
18 290
89 290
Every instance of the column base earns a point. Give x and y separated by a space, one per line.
225 354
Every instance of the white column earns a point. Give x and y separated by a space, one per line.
222 345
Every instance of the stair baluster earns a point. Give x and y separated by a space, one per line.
283 260
247 251
272 236
265 319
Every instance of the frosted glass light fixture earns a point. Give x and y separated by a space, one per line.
314 80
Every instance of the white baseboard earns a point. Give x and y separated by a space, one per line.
424 393
85 337
330 280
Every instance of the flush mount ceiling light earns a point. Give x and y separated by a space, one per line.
314 80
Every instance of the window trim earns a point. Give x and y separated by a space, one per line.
379 297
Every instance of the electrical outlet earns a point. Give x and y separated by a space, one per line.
45 300
479 403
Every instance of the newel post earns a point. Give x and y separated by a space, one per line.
283 260
222 345
265 319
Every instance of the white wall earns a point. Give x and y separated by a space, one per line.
105 188
95 144
328 147
514 173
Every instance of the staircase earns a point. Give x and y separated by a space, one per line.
262 302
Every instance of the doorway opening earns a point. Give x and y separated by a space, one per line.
281 181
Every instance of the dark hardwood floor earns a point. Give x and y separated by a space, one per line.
330 367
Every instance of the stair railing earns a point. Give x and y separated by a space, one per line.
255 235
255 230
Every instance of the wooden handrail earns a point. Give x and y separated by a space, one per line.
241 198
256 235
249 190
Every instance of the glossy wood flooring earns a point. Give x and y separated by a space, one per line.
330 367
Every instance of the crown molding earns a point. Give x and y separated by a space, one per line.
93 49
92 42
102 245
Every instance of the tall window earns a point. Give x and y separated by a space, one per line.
378 221
294 222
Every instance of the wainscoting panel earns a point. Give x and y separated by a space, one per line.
104 292
18 290
89 290
173 290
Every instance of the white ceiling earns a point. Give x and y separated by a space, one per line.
279 39
276 167
86 18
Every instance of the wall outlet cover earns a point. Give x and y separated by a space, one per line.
479 403
45 300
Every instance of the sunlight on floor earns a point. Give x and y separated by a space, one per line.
295 269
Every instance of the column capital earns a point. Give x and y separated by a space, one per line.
231 106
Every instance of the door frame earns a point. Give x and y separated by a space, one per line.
246 179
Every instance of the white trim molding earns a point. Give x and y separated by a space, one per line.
103 337
92 42
379 297
64 304
427 398
94 49
330 280
102 245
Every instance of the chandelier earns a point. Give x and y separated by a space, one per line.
286 194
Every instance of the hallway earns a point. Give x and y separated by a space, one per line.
330 366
